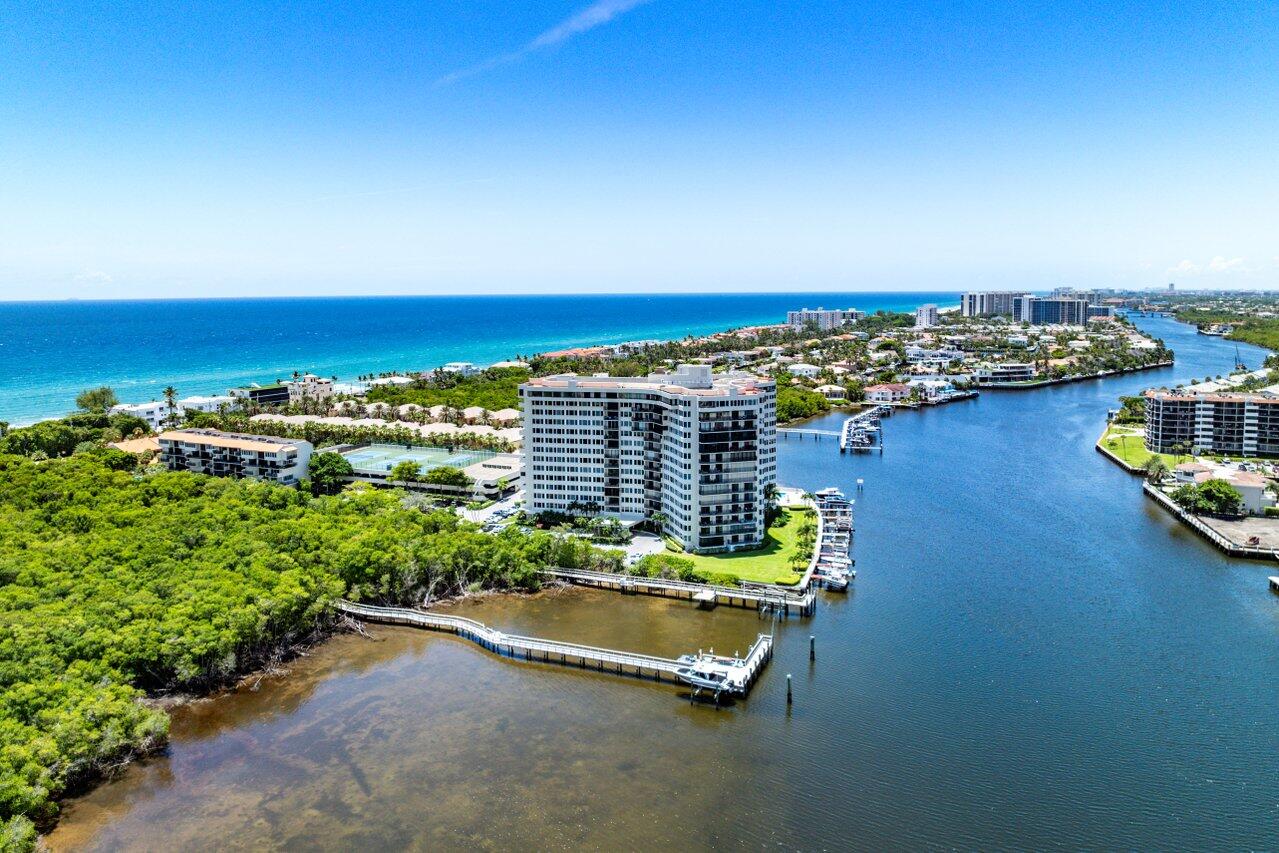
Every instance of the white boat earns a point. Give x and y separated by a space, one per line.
708 672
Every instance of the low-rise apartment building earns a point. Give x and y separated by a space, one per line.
1231 424
696 447
228 454
156 412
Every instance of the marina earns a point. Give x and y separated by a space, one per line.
862 433
832 566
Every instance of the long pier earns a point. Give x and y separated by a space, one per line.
536 650
762 597
787 432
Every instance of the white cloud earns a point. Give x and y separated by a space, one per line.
595 15
95 277
1218 265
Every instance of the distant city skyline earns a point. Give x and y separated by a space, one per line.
613 146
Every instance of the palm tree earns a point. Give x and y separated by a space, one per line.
171 402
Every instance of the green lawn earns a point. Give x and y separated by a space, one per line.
1128 442
767 564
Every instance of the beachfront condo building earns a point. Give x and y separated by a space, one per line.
700 449
1239 424
988 303
1050 311
927 316
229 454
824 319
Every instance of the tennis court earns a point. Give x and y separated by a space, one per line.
381 458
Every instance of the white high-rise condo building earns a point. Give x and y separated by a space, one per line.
986 303
926 316
697 447
823 318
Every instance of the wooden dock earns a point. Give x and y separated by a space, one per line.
787 432
535 650
764 598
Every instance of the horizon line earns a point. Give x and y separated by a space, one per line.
493 295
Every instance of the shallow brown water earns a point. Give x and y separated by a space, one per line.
423 740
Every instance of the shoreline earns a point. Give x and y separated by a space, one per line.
666 316
1224 543
1044 383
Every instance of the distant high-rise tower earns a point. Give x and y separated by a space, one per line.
1172 286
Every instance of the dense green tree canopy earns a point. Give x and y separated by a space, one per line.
446 475
794 403
328 472
96 399
1212 496
112 585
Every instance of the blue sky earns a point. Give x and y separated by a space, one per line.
224 149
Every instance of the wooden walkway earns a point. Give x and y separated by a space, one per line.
537 650
787 432
763 598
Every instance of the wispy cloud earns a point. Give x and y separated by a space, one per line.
1219 264
94 277
595 15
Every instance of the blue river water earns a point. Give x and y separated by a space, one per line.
50 351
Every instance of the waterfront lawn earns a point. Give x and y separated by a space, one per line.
1128 443
769 563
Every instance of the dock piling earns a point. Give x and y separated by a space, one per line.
812 647
789 698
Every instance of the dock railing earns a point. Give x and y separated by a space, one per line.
538 650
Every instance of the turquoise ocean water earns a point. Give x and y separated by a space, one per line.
49 351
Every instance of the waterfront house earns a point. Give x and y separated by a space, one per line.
832 392
461 368
262 395
890 392
309 387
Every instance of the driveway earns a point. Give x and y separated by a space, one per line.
641 545
479 516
